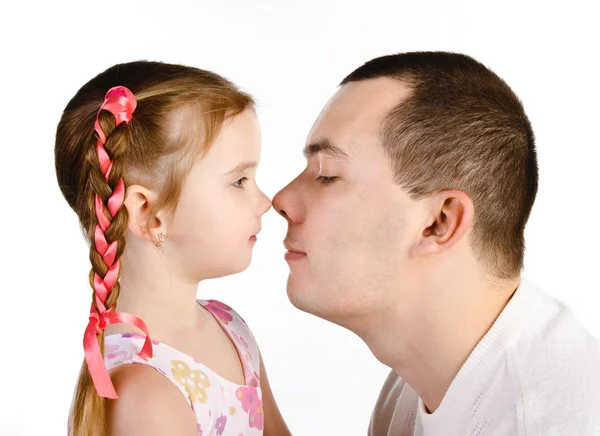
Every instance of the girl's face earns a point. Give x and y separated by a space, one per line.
213 228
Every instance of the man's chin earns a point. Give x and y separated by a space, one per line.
305 299
302 297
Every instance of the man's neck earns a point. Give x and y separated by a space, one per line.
427 341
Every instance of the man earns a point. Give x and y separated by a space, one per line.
406 227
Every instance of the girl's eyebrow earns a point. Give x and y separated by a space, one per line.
240 168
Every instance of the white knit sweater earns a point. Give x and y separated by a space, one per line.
535 373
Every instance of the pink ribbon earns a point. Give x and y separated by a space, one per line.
95 362
121 102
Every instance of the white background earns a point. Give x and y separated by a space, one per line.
290 55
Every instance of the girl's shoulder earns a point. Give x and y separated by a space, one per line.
238 331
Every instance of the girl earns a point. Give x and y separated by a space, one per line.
159 163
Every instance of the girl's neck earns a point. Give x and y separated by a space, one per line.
165 302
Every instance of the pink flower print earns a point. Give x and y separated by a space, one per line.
135 335
243 346
251 404
220 311
239 340
254 382
220 424
112 352
199 430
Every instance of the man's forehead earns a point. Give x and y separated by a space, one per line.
384 90
357 110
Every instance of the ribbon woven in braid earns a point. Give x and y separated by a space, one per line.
121 103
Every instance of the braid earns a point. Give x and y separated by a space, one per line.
106 226
108 231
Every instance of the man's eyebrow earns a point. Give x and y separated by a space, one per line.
324 146
243 166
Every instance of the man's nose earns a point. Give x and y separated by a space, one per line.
290 202
279 202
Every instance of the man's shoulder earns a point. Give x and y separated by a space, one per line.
557 371
557 343
393 388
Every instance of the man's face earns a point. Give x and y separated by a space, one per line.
344 211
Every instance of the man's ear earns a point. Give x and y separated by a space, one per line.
451 213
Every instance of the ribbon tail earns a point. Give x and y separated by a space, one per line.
96 366
146 351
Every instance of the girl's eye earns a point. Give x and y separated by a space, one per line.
326 180
240 182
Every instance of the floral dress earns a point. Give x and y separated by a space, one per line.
221 407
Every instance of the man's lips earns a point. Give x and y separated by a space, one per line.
292 249
293 253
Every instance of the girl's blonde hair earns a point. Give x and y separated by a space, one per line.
179 112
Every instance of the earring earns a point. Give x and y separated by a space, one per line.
161 239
